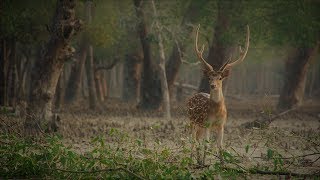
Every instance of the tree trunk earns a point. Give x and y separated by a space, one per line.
11 75
219 48
173 64
99 88
104 86
2 72
90 79
312 80
295 76
150 84
84 86
22 73
8 67
48 66
132 77
162 67
59 93
191 16
74 82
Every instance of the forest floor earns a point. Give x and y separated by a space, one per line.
294 137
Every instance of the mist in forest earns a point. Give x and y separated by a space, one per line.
159 89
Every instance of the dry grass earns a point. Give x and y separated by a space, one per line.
296 136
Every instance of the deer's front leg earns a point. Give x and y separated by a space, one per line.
205 143
219 143
220 133
199 140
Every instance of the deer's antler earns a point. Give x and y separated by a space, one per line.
200 52
242 54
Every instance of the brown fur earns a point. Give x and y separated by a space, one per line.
204 112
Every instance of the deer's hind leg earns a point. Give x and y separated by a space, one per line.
193 139
205 144
198 140
220 132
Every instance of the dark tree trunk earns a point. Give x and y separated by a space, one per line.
104 86
23 67
8 53
132 77
219 49
295 76
99 88
11 75
74 82
59 93
48 66
90 64
150 91
90 80
162 67
2 72
173 64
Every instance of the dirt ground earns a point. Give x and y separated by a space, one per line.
294 134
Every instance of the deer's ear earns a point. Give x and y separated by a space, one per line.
225 73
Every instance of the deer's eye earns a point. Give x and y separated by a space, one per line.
220 78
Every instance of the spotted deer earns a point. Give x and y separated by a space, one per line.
207 112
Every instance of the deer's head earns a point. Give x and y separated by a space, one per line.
217 76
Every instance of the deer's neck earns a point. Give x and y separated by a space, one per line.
216 95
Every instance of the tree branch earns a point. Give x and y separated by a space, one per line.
106 67
101 170
257 171
263 122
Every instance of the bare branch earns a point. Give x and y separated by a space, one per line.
189 63
101 170
106 67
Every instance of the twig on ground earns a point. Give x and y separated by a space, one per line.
315 160
3 142
263 122
101 170
11 127
257 171
300 156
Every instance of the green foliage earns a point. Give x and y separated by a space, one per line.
293 23
247 148
277 159
26 21
51 159
296 22
113 31
121 158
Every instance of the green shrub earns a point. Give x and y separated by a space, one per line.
121 158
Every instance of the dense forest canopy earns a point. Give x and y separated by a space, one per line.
273 23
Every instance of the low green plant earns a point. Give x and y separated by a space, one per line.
277 159
115 156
